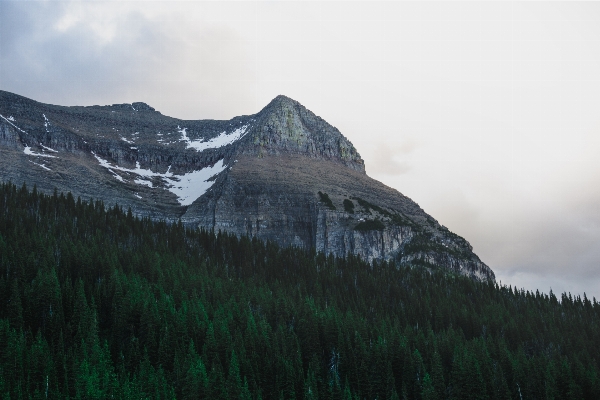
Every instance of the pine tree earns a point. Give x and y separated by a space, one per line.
347 391
311 390
437 375
14 309
216 381
428 390
245 395
195 385
233 384
40 367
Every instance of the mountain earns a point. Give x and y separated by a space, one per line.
283 174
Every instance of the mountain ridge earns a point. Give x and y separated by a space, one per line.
266 175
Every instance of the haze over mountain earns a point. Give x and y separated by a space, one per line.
283 174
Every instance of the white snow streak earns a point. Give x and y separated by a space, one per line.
127 141
11 118
222 140
187 187
106 165
40 165
29 152
7 120
143 182
48 148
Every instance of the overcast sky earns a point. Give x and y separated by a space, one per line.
486 114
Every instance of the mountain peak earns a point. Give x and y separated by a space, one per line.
282 99
283 174
286 126
283 104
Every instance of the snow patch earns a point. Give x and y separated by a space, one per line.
40 165
127 141
143 182
46 122
106 165
9 121
29 152
187 187
11 118
222 140
137 195
48 148
133 148
194 184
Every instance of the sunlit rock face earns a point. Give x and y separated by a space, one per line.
286 127
283 174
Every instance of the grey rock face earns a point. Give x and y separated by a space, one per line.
286 126
283 174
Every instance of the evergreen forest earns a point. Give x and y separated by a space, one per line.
96 303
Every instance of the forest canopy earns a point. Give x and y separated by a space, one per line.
98 303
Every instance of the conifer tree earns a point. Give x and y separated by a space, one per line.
14 307
428 390
437 376
234 382
196 385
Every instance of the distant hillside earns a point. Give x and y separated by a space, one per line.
96 303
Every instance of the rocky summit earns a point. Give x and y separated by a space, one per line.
283 174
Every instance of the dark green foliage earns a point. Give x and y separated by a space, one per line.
370 225
349 206
395 217
424 242
453 235
326 200
367 206
95 303
400 220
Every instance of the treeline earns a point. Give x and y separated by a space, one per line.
96 303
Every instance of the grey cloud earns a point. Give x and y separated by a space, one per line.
557 247
384 159
548 241
147 60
